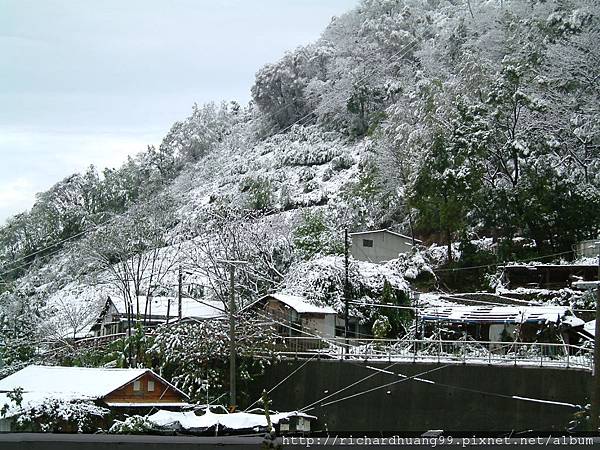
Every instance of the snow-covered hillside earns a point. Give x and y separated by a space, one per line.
448 122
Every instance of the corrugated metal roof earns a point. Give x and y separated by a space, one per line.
495 314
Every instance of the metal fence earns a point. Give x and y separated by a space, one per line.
539 354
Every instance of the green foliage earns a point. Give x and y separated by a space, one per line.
399 319
316 235
19 319
381 327
366 200
365 104
481 263
195 355
553 211
259 192
444 188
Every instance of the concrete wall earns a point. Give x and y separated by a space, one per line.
386 246
415 406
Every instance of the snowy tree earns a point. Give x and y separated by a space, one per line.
238 235
194 355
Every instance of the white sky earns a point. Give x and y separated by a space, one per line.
89 82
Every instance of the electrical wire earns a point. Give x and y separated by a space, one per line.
284 380
501 264
357 394
475 391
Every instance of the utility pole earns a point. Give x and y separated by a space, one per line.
595 409
180 287
232 352
346 290
168 308
232 368
415 301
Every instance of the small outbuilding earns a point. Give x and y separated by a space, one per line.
380 245
117 314
503 323
121 390
293 315
588 249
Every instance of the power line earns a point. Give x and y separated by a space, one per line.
475 391
357 394
456 269
284 380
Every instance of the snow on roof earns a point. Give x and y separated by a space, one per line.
534 265
585 285
300 305
590 327
147 404
72 382
233 421
359 233
190 307
496 314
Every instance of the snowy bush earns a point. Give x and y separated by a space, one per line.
381 327
54 415
317 235
342 162
132 425
259 193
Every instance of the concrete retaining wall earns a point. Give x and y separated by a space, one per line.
416 406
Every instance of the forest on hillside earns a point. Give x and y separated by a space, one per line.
481 119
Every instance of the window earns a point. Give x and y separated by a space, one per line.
137 385
150 386
367 242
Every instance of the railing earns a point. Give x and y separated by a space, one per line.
539 354
99 340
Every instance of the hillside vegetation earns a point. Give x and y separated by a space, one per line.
446 120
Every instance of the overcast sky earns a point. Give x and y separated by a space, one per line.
89 82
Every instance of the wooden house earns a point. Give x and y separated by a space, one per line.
294 316
121 390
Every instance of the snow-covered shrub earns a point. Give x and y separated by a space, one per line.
259 193
411 265
321 281
381 327
342 162
54 415
132 425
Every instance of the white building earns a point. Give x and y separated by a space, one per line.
380 245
